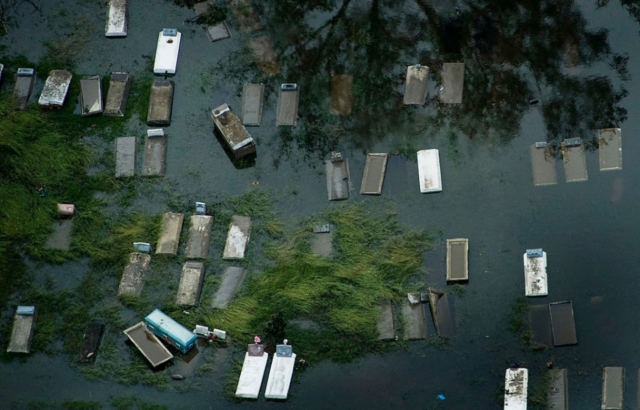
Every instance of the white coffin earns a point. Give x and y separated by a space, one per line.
167 54
535 275
251 376
280 377
429 171
117 18
516 382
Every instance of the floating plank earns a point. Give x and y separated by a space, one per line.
238 238
149 345
91 343
167 51
21 332
135 274
442 313
231 280
385 325
452 83
154 159
558 395
23 88
55 89
252 98
199 236
373 177
415 327
216 32
91 95
119 86
170 234
322 242
341 102
535 275
563 324
575 163
458 259
612 388
543 164
540 326
60 238
160 103
265 56
288 105
337 179
233 132
280 377
117 18
516 384
610 141
251 376
415 89
126 153
429 171
190 284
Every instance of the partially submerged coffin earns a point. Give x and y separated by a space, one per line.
610 142
575 163
117 18
238 238
149 345
458 259
134 274
415 327
429 171
337 169
543 164
288 99
190 284
154 159
160 103
535 272
613 388
563 324
25 79
199 236
170 234
558 395
255 363
167 51
516 384
119 86
126 153
452 83
91 95
22 330
55 89
233 132
415 91
91 343
231 281
252 98
280 373
373 176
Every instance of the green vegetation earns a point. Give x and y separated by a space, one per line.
64 405
518 321
215 14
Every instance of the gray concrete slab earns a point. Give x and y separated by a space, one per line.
415 89
558 395
170 234
453 83
543 164
154 159
91 95
21 334
199 237
610 141
119 86
413 319
237 238
341 102
575 163
252 100
60 238
126 156
231 280
190 284
613 388
22 90
160 103
386 327
134 274
373 176
288 107
322 244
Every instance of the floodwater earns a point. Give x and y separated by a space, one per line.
576 59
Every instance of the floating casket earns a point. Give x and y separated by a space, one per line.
167 51
233 132
55 89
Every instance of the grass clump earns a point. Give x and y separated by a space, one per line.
518 322
216 13
374 262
